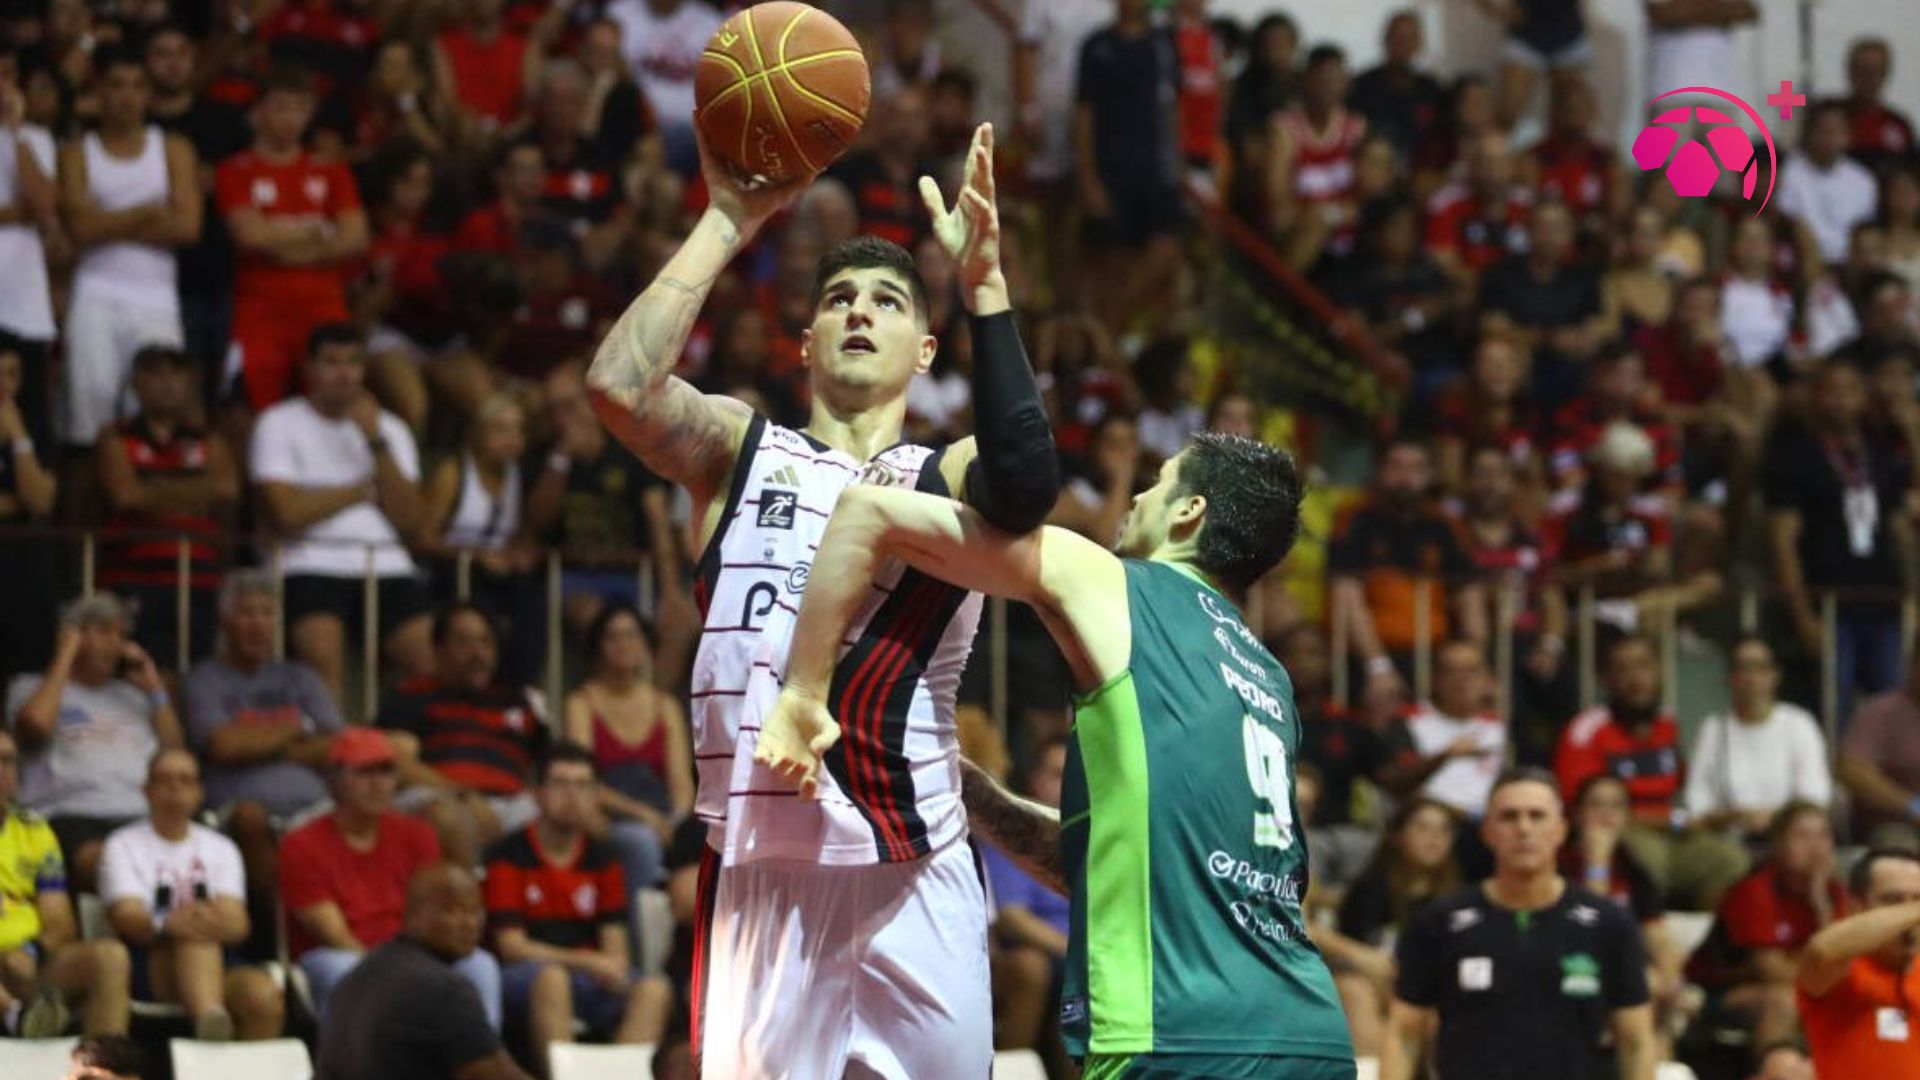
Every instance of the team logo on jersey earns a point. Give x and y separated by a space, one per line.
584 898
1073 1010
1584 915
316 189
1476 973
777 508
797 578
785 476
265 192
882 474
1463 919
1579 975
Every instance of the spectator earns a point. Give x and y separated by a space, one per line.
1414 866
1543 36
1310 168
1265 85
557 911
296 222
107 1057
1483 217
400 102
1629 737
343 876
1879 135
1758 756
1348 754
1573 166
1638 289
1029 925
616 119
478 738
882 175
1757 306
1489 408
167 480
405 1011
1127 161
1548 304
177 895
87 729
1900 216
1169 412
1095 500
338 477
484 65
131 195
27 490
1445 157
585 186
1451 749
1045 73
663 40
1618 394
1834 491
1857 977
29 223
909 55
1824 189
43 963
519 183
1202 86
1879 759
1386 551
1684 40
639 737
1750 957
1399 101
1407 302
565 309
473 504
1526 974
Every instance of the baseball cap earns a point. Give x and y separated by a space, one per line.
359 747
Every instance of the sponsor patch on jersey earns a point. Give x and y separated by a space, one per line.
797 578
777 508
882 474
1579 976
1890 1024
1476 973
1073 1010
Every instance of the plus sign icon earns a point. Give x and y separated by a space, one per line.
1694 145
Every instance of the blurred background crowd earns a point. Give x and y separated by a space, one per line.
296 298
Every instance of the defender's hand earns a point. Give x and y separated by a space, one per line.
794 737
969 231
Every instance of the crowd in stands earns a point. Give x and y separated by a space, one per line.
296 297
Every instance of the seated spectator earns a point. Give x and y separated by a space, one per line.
1347 753
1759 755
401 293
1406 300
1879 761
1098 493
585 188
1900 214
565 310
1170 410
1627 736
663 40
87 729
177 895
1029 926
1595 858
1490 407
478 738
1415 864
909 53
1617 391
641 747
1824 189
27 491
616 118
1750 957
43 963
881 175
1857 977
1481 218
343 876
1451 749
1398 100
338 477
400 102
166 479
1384 551
1548 304
1880 136
405 1010
472 504
1573 167
519 184
1310 163
557 906
1757 304
485 66
1638 287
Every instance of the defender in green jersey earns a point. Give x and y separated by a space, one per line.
1176 838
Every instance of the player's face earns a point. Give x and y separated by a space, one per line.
1524 827
1146 527
866 336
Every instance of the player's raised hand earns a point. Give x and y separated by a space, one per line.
746 201
969 230
794 737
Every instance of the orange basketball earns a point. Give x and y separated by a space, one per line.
781 91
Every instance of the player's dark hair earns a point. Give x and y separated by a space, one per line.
1626 641
161 356
868 253
561 752
333 333
1860 878
443 620
117 1054
106 60
1525 774
1253 505
1325 54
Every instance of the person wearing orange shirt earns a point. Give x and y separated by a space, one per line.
1858 979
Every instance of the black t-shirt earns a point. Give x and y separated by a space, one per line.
217 131
1846 536
1344 750
684 851
1403 110
601 509
403 1012
1132 85
10 484
1570 296
1366 911
1522 995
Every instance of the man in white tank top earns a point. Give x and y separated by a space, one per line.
864 903
131 195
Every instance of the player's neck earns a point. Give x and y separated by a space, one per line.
1535 891
860 433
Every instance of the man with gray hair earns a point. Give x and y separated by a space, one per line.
87 728
262 725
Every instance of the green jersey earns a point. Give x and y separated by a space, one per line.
1182 848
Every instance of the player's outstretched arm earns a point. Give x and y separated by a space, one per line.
680 433
1078 588
1029 832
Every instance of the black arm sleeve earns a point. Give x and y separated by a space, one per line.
1015 479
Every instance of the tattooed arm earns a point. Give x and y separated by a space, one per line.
684 435
1029 832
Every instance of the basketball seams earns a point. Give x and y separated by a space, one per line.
745 80
773 97
822 117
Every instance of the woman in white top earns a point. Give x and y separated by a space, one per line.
1757 757
473 504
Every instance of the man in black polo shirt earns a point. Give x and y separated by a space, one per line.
405 1011
1523 975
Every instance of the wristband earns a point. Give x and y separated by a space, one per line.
559 462
159 699
1380 665
23 445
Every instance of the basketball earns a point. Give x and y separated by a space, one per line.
781 91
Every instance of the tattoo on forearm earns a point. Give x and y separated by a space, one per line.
1025 830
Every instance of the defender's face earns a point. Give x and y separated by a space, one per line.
866 335
1149 522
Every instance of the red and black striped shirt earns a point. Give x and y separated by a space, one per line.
143 549
484 740
559 903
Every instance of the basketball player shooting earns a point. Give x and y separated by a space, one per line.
1177 837
847 936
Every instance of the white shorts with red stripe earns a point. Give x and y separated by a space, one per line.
816 972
